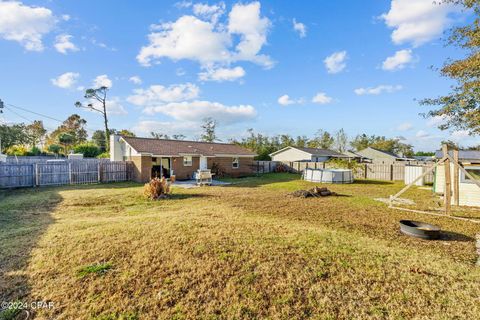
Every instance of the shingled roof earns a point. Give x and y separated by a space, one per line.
166 147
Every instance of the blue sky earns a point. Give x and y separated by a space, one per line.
274 66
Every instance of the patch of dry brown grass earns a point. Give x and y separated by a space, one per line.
246 251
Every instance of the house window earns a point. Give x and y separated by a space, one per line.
187 161
235 163
474 171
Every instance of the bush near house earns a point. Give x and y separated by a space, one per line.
88 149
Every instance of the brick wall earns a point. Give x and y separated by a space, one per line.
142 168
181 172
246 166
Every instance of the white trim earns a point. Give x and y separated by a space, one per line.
219 155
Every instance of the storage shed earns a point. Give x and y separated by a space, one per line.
469 192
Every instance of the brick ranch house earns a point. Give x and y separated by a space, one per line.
157 157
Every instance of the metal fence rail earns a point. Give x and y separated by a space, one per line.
64 173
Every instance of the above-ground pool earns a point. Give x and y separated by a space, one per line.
328 175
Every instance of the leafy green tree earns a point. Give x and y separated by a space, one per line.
35 132
126 133
14 134
460 108
98 138
341 141
322 140
209 130
158 135
66 140
55 148
74 125
98 96
88 149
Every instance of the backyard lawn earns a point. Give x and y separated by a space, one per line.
243 251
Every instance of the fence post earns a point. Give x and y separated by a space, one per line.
269 166
34 175
391 172
366 170
70 172
37 175
98 172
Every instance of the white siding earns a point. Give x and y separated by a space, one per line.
292 155
469 192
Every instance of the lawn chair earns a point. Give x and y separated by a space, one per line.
203 177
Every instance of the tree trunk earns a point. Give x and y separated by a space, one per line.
107 131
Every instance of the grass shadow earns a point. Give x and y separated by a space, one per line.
373 182
25 215
454 236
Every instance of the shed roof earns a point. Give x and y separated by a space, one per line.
462 154
167 147
315 152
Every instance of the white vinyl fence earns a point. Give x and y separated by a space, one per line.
63 173
386 172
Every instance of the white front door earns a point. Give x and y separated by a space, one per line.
203 163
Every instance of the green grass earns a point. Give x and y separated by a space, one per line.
99 269
244 251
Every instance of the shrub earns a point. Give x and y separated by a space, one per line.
104 155
34 152
281 167
16 150
55 148
218 170
157 189
89 150
345 164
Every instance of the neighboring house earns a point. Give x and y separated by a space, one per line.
356 156
162 157
380 156
469 192
305 154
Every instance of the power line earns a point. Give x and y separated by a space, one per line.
19 115
36 113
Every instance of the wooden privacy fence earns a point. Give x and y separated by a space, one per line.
64 173
387 172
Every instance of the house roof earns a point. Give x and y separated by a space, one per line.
166 147
352 154
315 152
390 154
462 154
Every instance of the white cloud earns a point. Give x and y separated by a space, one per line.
422 134
378 90
63 44
222 74
66 80
25 25
245 20
398 61
404 126
335 62
197 110
211 13
158 94
66 17
285 100
300 28
437 120
322 98
459 135
102 81
417 21
208 42
167 127
135 80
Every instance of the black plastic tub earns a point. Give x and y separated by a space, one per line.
419 229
